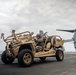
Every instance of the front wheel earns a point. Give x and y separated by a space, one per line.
5 59
25 58
59 55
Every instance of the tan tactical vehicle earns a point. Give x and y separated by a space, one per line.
26 47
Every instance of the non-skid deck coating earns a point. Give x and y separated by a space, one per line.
48 67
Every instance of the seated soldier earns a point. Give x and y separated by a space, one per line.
40 39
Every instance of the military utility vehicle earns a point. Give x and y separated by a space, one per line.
25 47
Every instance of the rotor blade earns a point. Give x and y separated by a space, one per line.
68 40
71 31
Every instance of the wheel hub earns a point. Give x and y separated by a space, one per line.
61 55
27 58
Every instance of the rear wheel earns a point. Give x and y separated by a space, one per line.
5 59
59 55
25 58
